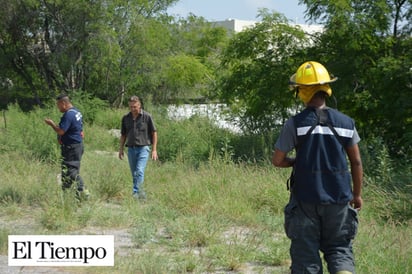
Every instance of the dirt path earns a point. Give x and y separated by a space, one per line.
123 246
26 225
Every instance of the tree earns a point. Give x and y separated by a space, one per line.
43 44
189 71
63 46
368 45
182 74
256 67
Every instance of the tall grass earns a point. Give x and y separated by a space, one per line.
209 216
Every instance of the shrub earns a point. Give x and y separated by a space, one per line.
189 140
88 105
28 134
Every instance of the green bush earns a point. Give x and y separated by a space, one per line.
10 195
252 148
89 106
28 134
110 118
189 141
376 160
192 140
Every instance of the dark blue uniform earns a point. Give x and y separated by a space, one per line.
318 215
321 170
71 148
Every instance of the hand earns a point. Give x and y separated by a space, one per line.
49 122
121 154
357 202
154 155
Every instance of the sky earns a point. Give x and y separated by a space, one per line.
219 10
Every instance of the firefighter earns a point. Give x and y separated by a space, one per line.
322 213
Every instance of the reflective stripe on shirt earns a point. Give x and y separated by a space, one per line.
324 130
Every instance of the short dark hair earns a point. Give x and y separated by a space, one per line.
320 94
63 96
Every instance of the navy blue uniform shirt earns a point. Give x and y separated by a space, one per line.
72 124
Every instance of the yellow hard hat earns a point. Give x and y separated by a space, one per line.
312 73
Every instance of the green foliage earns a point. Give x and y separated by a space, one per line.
199 44
111 50
106 48
28 134
389 256
10 195
204 212
397 211
59 215
384 182
109 185
194 36
252 148
376 160
197 140
257 65
369 49
183 73
88 105
188 141
109 118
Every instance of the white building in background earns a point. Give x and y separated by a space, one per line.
237 25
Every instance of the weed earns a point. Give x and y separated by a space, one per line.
205 212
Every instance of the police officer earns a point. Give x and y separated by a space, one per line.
70 137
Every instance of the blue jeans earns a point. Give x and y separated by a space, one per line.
138 157
327 228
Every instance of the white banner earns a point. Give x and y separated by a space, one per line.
61 250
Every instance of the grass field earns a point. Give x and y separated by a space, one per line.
217 218
214 216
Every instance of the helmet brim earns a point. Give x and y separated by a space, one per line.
313 84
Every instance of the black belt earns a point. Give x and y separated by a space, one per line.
138 146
